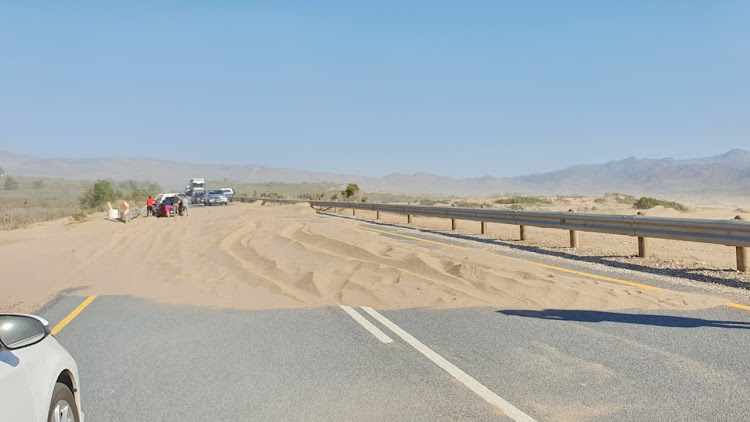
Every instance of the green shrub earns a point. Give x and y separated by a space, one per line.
523 200
351 192
364 199
99 194
647 203
466 204
11 183
37 184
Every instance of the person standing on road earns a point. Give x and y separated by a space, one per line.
168 205
150 206
180 208
187 204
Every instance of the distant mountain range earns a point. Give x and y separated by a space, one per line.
729 171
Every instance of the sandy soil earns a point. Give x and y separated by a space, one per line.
276 256
678 253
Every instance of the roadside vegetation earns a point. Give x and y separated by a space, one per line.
26 200
646 203
33 200
523 200
322 191
351 193
469 204
620 198
433 202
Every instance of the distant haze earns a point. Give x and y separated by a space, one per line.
726 172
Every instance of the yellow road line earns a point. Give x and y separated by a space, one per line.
737 305
73 314
551 267
411 237
598 277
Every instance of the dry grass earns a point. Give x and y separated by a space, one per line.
41 199
37 200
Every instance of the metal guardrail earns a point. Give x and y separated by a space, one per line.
730 232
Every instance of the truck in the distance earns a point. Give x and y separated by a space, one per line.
196 185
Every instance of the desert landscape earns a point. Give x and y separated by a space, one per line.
263 257
251 256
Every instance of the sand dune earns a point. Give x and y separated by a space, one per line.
260 257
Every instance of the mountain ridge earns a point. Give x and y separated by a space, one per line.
730 170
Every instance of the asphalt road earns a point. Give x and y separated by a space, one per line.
144 361
141 360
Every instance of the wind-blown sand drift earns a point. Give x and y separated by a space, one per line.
260 257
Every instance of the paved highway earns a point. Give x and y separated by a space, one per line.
141 360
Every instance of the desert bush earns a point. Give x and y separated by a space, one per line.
80 216
468 204
351 193
99 194
645 203
271 195
364 199
334 197
523 200
427 202
311 196
11 183
620 198
37 184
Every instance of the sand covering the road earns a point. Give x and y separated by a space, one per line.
250 256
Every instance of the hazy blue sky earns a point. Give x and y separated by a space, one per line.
459 88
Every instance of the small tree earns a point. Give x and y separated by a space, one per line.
334 197
99 194
10 183
37 184
351 193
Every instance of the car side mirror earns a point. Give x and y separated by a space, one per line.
17 331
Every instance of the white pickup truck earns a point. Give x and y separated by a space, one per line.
216 197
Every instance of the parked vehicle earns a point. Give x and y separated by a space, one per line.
228 192
216 197
38 377
171 198
198 198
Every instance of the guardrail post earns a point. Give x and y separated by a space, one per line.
377 215
642 247
743 259
484 227
573 236
522 232
354 212
453 224
408 218
642 242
